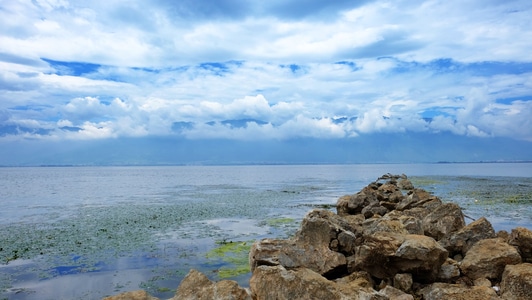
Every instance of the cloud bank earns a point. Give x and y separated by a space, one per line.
248 71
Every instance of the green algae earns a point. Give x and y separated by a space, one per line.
279 222
234 254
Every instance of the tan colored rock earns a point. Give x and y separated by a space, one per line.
133 295
462 240
521 238
353 204
449 271
276 282
516 282
445 219
374 253
487 259
403 282
445 291
196 286
421 256
395 294
320 245
482 282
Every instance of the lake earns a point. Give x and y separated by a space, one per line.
89 232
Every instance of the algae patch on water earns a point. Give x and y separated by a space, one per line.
234 255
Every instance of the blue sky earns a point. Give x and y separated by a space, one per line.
257 74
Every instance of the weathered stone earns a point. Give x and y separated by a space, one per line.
444 291
445 219
405 184
133 295
374 208
487 259
517 282
395 294
320 245
482 282
374 253
276 282
394 222
403 282
196 286
421 256
449 271
521 238
462 240
353 204
415 198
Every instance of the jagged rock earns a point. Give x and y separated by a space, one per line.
133 295
276 282
449 271
462 240
196 286
405 184
444 291
383 254
415 198
445 219
516 282
395 221
403 282
482 282
522 239
421 256
374 253
374 208
353 204
320 245
395 294
487 259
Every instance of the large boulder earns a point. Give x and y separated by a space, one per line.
487 259
522 239
461 241
320 245
445 291
276 282
516 282
384 254
354 204
421 256
445 219
196 286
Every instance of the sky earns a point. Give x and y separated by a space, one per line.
242 81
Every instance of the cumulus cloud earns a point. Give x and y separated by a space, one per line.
279 69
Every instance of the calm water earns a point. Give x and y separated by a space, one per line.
88 232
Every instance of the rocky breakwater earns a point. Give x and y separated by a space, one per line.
388 241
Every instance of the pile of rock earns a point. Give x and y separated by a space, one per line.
388 241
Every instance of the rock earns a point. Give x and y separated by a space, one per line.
487 259
517 282
449 271
374 208
133 295
374 253
445 219
383 254
403 282
395 294
394 222
521 238
405 184
354 204
196 286
444 291
416 198
320 245
276 282
463 239
482 282
421 256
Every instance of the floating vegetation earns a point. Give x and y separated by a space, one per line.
424 182
233 253
279 222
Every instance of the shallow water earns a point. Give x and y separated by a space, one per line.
88 232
